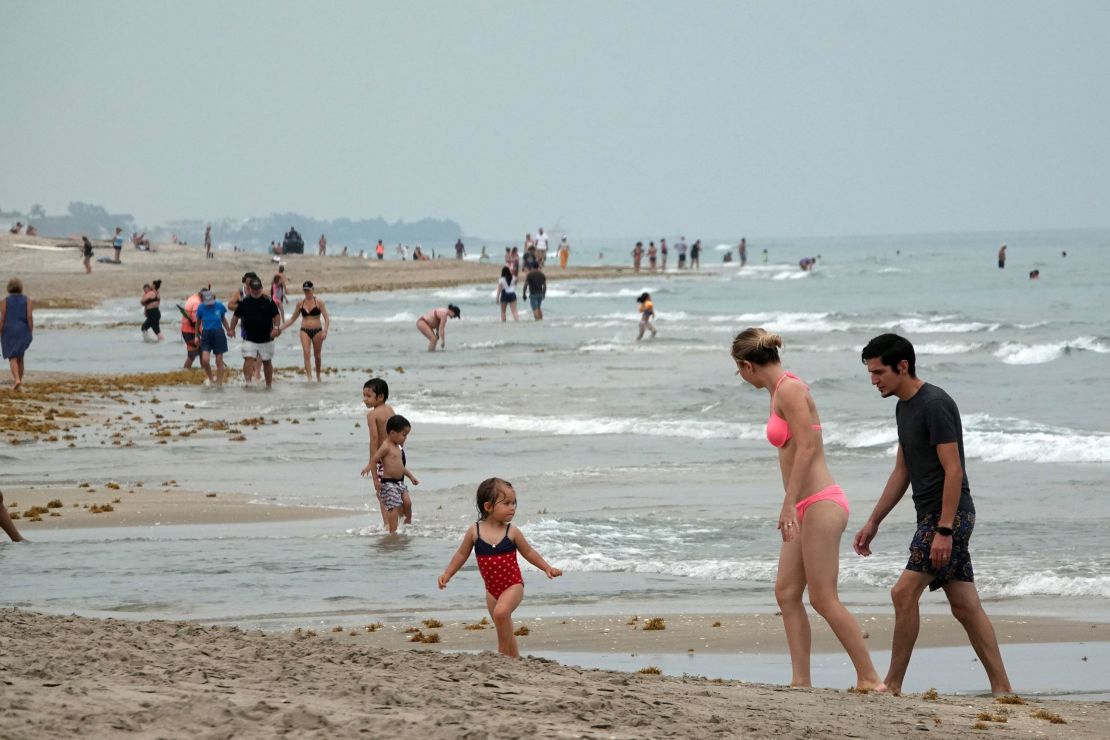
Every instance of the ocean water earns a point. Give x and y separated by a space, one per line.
641 468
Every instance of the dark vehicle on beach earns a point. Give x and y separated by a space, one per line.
292 243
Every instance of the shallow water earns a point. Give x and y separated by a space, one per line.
640 467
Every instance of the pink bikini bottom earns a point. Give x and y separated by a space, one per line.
832 493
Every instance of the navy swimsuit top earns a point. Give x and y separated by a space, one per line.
484 549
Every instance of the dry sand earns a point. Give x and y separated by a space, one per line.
53 275
71 677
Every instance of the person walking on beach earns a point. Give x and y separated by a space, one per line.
663 254
695 255
647 313
277 291
506 293
433 325
535 290
460 249
814 512
323 245
743 251
152 313
564 252
117 245
637 256
190 331
17 329
261 325
1002 257
653 256
214 332
86 254
930 459
208 241
379 250
391 457
541 247
680 247
314 327
496 556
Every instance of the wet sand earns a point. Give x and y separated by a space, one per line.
70 676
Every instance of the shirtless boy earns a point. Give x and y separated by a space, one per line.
391 487
375 392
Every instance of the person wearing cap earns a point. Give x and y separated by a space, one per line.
261 324
313 315
214 331
433 325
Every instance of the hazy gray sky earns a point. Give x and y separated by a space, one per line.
617 118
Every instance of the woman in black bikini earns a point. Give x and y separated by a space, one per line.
314 327
151 302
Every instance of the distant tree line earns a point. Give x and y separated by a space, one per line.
253 234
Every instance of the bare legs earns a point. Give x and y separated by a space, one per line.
501 610
6 523
813 559
963 598
312 347
218 378
16 366
427 331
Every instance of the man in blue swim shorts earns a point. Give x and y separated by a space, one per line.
930 458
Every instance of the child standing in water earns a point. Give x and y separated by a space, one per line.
390 486
496 558
647 313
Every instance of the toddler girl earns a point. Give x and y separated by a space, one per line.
496 546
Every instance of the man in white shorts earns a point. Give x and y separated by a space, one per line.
261 323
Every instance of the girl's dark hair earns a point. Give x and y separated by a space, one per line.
455 310
157 284
506 273
891 349
488 494
378 387
643 297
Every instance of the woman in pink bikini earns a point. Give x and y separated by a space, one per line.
814 513
433 325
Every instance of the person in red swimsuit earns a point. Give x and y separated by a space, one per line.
814 513
495 544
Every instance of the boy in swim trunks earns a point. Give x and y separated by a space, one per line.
930 458
390 486
375 393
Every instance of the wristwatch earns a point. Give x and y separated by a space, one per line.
946 531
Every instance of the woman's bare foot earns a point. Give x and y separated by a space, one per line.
868 687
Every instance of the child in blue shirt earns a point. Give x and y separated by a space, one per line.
214 331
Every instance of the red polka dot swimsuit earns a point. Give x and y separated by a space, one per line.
497 564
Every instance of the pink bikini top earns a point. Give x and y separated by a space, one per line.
778 431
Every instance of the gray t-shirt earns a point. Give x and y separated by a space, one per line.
929 419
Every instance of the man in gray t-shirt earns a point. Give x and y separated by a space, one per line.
930 458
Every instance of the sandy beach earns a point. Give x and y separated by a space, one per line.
66 676
53 276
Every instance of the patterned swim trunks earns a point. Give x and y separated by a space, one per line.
958 567
392 494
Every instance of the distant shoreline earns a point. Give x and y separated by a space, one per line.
55 278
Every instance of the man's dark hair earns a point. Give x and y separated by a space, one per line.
397 423
378 387
891 349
